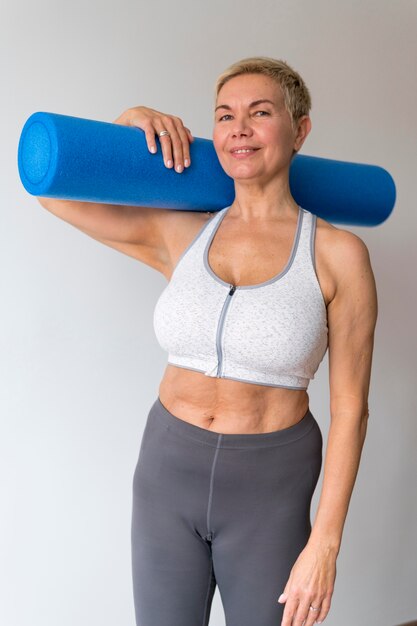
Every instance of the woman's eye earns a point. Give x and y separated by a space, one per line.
228 115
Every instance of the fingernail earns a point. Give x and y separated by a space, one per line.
186 162
179 168
153 149
169 163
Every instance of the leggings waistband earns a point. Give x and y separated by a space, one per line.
221 440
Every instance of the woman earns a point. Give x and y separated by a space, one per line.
231 454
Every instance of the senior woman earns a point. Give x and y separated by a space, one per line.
257 292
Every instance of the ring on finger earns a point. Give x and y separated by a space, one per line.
164 132
313 609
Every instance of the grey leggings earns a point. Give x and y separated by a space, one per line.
210 509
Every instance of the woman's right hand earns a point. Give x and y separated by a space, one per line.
175 147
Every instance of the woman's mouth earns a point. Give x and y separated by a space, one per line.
244 153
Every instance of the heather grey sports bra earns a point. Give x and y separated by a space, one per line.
272 333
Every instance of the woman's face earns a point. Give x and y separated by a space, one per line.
265 126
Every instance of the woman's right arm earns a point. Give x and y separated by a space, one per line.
136 231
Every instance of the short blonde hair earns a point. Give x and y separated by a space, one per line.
297 97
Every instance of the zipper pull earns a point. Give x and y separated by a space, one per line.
232 290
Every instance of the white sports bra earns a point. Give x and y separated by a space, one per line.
273 333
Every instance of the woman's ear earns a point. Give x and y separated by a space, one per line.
303 129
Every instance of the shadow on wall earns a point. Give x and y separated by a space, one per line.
409 624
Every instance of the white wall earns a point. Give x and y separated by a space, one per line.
79 364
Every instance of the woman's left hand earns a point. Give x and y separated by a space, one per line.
311 582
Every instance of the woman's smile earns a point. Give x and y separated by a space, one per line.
245 154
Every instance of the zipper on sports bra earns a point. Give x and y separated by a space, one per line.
220 329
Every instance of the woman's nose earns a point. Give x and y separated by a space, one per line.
241 127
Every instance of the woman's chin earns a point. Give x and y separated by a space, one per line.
242 171
240 175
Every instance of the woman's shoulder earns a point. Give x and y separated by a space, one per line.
341 240
336 251
340 244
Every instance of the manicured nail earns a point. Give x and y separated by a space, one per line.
169 163
186 162
153 149
179 167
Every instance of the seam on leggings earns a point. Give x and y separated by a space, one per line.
250 447
207 594
209 533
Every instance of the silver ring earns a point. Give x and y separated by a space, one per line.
313 609
164 132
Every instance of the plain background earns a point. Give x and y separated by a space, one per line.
79 363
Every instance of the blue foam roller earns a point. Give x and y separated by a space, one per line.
73 158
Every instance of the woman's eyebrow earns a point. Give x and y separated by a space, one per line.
252 104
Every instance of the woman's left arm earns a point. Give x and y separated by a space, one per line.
352 316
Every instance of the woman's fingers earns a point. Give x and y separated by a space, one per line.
298 613
169 143
305 615
184 137
150 138
182 158
190 136
290 612
297 610
325 608
175 146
